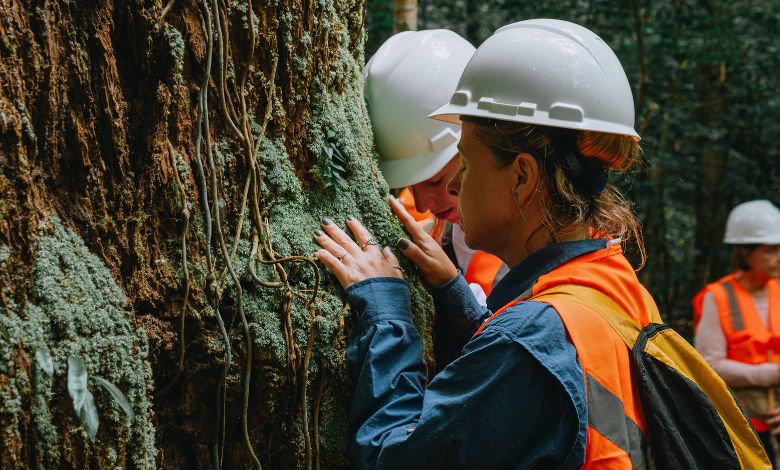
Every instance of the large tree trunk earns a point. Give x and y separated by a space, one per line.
405 18
162 168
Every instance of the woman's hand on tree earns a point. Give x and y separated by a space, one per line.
350 260
422 250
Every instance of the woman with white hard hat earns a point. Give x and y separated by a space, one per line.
547 112
408 78
737 318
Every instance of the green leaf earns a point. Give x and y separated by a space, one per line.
119 397
45 362
330 134
83 401
337 155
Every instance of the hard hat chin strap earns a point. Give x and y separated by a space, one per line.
587 174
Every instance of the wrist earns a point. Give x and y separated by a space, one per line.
380 298
444 279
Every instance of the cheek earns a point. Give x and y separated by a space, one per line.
444 199
482 203
764 262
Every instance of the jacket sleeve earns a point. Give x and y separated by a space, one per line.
495 406
458 315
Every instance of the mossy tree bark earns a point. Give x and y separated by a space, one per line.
162 168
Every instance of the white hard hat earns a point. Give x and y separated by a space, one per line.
753 222
411 75
545 72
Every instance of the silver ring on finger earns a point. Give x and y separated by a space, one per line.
341 257
368 242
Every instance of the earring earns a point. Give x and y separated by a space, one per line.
519 209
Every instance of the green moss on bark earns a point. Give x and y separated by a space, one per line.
75 308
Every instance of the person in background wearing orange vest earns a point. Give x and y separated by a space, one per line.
737 317
540 382
410 75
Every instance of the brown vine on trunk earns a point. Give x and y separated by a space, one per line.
184 144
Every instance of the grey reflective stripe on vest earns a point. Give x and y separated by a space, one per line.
606 416
736 315
500 274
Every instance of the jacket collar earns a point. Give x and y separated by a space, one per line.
524 274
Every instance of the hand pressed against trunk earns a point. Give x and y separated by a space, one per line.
429 257
350 260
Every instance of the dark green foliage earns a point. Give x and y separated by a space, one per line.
705 82
334 171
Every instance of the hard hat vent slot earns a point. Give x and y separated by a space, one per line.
499 108
526 109
461 98
443 139
566 112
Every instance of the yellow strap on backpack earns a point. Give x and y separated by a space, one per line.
673 350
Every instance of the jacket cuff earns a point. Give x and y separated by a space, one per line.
380 299
456 304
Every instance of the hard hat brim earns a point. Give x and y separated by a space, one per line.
765 240
451 113
409 171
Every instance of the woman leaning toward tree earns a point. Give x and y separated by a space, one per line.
547 112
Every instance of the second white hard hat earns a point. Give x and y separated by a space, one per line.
545 72
753 223
411 75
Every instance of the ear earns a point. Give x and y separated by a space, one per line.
526 174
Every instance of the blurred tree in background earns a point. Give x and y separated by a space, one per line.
704 75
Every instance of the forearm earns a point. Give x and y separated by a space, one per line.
458 316
385 362
739 374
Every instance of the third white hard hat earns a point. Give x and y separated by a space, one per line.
753 222
545 72
411 75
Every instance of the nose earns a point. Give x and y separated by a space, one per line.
423 198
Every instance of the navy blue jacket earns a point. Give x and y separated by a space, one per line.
511 397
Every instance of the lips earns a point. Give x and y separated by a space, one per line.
450 215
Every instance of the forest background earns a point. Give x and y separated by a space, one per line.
705 82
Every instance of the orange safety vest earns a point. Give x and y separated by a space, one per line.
698 299
748 339
482 270
616 423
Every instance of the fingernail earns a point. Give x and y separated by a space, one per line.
350 218
402 243
326 221
318 233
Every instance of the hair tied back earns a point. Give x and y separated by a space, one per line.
587 174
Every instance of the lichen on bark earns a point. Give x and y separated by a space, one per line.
102 202
75 308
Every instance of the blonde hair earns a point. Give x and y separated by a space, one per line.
606 212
